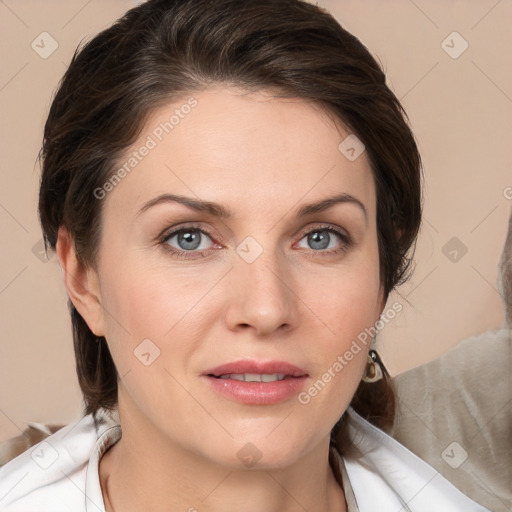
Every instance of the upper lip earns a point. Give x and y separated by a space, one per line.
258 367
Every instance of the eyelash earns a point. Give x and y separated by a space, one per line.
345 237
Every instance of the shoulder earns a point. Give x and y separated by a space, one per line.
454 412
399 480
52 474
455 394
466 383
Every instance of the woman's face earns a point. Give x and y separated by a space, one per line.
262 284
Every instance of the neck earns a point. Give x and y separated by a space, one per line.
145 471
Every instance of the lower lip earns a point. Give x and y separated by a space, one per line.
258 393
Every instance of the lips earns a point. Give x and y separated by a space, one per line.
256 367
239 381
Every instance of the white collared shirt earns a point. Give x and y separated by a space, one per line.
60 474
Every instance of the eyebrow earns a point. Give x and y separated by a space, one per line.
217 210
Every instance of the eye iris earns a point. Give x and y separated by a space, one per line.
319 240
190 239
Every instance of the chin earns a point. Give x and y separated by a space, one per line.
262 453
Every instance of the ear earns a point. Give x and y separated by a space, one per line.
81 283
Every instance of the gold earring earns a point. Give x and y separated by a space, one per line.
373 370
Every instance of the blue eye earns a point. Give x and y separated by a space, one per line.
320 239
189 242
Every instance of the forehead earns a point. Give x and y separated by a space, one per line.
242 148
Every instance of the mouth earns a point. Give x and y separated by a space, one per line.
257 383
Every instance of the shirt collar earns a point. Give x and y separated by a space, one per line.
109 434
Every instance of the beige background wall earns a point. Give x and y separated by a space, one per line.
460 110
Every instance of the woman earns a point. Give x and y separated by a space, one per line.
232 192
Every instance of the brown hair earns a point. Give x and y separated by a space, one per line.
164 49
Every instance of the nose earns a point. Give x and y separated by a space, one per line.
261 296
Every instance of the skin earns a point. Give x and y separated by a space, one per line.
262 158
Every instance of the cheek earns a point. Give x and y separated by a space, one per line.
352 313
345 300
345 305
143 302
345 309
354 308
